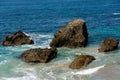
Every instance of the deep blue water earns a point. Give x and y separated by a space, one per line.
42 18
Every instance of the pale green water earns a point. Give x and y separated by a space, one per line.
12 68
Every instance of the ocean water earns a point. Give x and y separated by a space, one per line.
41 19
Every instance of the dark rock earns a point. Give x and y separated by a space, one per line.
39 55
73 35
81 61
18 38
109 44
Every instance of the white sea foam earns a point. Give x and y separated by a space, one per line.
42 40
41 35
116 13
88 71
54 70
51 74
29 74
3 62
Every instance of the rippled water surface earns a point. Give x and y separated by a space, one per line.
41 19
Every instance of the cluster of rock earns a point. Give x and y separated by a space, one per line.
74 34
32 55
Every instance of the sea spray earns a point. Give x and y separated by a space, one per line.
88 71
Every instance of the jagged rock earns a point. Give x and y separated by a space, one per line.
18 38
81 61
39 55
109 44
73 35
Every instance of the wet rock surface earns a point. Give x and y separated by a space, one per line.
18 38
39 55
73 35
109 44
81 61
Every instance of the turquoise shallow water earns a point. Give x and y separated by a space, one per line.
41 19
12 68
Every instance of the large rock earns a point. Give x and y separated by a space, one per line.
18 38
81 61
109 44
73 35
39 55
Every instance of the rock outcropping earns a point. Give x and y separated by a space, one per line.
109 44
81 61
18 38
73 35
39 55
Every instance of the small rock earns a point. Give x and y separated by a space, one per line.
81 61
18 38
73 35
39 55
109 44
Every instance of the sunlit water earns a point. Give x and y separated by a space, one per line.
40 20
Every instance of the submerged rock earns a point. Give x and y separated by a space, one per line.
39 55
81 61
109 44
73 35
18 38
